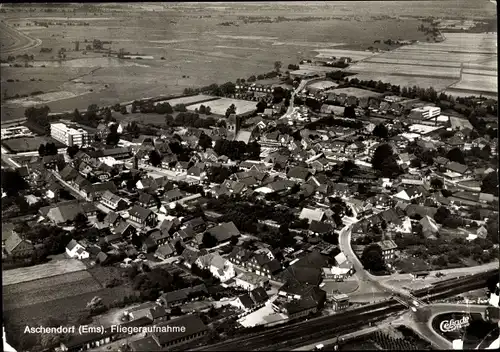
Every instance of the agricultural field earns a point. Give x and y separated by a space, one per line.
220 106
357 92
60 267
406 70
408 81
200 98
48 289
29 144
196 52
356 55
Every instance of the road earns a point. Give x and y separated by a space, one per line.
426 330
22 41
290 109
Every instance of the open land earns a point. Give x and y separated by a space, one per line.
197 53
220 106
60 267
200 98
29 144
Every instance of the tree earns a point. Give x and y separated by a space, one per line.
230 110
277 66
155 158
442 214
179 248
261 106
456 155
169 120
373 259
437 183
381 131
208 240
385 161
71 151
205 141
349 112
490 183
41 150
80 220
113 136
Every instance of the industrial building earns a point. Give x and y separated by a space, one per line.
71 134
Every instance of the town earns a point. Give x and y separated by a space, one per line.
283 210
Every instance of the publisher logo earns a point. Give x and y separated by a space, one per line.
453 324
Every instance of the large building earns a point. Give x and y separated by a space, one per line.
71 134
425 113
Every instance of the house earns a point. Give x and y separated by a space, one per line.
146 200
180 330
458 168
159 236
185 234
259 296
165 251
197 224
429 226
113 201
342 265
312 214
173 195
178 297
220 268
262 264
102 258
340 302
95 191
112 219
244 302
63 212
250 281
76 250
305 299
317 228
298 174
143 216
336 273
224 232
15 246
240 256
388 248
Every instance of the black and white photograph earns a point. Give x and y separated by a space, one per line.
249 176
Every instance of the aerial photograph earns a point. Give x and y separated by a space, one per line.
249 176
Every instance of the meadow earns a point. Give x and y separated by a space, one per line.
220 106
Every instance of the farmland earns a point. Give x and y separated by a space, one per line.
220 106
196 53
48 289
200 98
28 144
60 267
357 92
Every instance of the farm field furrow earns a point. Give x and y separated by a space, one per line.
408 81
396 61
354 54
47 282
47 292
436 56
410 70
480 72
41 271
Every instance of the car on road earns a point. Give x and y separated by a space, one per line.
414 309
415 303
439 274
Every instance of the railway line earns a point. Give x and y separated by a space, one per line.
294 335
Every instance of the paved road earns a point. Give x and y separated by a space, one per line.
22 41
426 330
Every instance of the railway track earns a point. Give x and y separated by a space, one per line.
294 335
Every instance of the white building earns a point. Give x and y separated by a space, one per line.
425 112
71 135
494 296
76 250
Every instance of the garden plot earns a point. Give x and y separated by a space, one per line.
220 106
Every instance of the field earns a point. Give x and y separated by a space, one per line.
425 64
29 144
16 276
48 289
220 106
189 100
357 92
197 52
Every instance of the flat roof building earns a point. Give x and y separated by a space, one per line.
425 112
71 134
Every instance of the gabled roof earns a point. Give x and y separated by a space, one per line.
14 241
72 244
246 301
387 245
224 231
456 167
165 250
259 295
320 227
140 212
298 172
